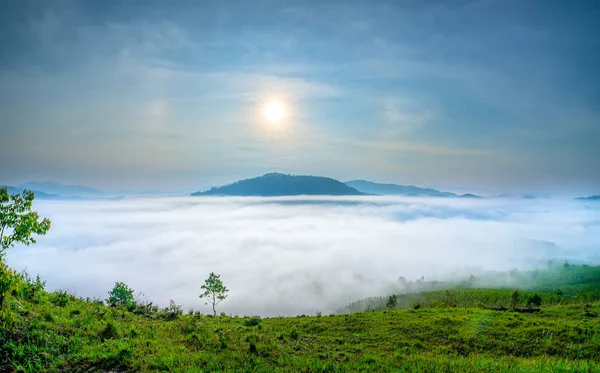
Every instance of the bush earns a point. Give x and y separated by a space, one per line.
294 334
61 298
121 295
534 300
30 287
252 321
144 306
110 331
418 304
392 301
173 311
8 278
515 299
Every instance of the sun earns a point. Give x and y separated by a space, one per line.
275 111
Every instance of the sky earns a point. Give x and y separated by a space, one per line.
499 95
281 257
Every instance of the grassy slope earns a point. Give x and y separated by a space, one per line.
82 336
558 284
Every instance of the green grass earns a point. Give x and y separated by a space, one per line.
558 284
46 332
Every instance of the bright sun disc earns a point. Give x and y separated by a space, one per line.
275 111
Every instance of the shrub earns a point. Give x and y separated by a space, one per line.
48 317
515 299
450 299
110 331
61 298
534 300
392 301
294 334
173 311
252 347
30 287
418 304
7 279
222 341
121 295
143 306
252 321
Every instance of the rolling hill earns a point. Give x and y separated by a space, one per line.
371 187
276 184
60 189
38 194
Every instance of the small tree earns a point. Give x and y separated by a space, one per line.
515 298
392 301
214 291
534 300
120 295
17 222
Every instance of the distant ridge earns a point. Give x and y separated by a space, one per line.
371 187
521 196
395 189
38 194
277 184
590 198
60 189
469 195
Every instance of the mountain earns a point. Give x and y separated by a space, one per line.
276 184
60 189
590 198
515 196
394 189
469 195
38 194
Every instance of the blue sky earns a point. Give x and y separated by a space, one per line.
498 95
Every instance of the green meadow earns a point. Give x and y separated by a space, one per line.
442 330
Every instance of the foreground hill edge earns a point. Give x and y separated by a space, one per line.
440 331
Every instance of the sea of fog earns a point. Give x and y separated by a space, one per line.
300 255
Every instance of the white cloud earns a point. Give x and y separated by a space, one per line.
279 256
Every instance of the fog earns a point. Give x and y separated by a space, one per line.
289 256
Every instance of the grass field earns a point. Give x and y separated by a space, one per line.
56 332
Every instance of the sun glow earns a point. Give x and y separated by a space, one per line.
275 111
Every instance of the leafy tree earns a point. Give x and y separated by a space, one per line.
17 222
392 301
534 300
515 298
120 295
214 291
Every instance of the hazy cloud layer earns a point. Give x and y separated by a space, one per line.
291 256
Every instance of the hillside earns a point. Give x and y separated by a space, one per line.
38 194
440 332
60 189
395 189
276 184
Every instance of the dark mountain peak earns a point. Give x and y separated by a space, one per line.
278 184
